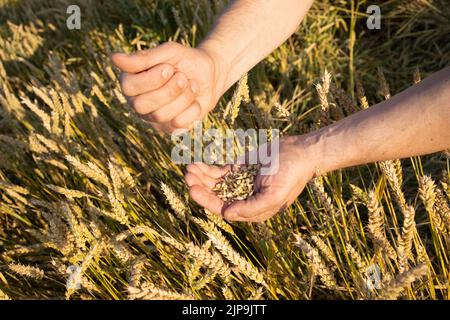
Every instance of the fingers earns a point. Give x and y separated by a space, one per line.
174 108
246 210
206 199
187 117
205 180
154 100
146 59
201 179
214 172
134 84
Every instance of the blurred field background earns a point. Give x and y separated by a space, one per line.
91 207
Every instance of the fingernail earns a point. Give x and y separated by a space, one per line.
167 72
181 82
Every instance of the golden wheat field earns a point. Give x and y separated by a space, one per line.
92 207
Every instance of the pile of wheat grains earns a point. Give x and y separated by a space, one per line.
237 184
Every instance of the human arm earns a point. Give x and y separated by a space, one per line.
243 35
414 122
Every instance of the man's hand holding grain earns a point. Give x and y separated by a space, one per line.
172 86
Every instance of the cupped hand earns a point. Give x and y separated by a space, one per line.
273 192
171 86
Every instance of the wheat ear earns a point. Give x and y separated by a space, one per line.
318 266
376 226
402 281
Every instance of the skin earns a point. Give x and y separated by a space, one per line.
414 122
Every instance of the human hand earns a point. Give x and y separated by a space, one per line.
273 192
171 85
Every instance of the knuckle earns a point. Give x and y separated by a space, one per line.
171 44
174 91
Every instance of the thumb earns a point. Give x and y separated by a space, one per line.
144 59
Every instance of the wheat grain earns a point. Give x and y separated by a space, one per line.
237 184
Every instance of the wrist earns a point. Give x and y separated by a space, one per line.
321 151
211 47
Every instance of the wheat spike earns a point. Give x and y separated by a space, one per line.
148 291
376 226
211 260
69 193
45 118
175 202
319 189
360 94
427 192
325 249
26 271
218 221
90 170
383 85
318 266
405 241
3 295
443 208
417 77
356 258
402 281
359 193
136 268
393 172
323 89
225 248
241 93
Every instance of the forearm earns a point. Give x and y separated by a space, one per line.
414 122
248 31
